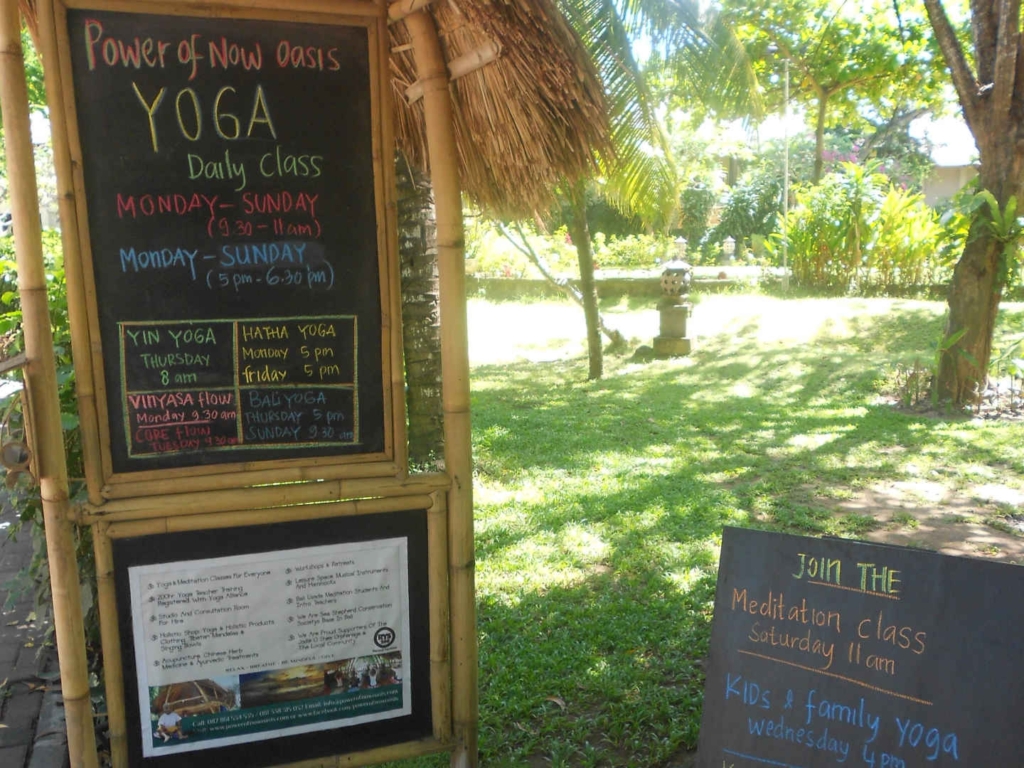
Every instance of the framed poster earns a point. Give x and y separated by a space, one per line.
232 233
241 651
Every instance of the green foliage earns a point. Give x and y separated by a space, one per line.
603 217
955 217
490 254
25 495
904 248
750 208
1004 225
856 233
874 76
633 252
695 206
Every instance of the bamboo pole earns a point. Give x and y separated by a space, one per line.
464 65
110 636
191 504
403 8
174 524
440 617
391 275
266 516
444 172
163 482
41 383
298 9
78 313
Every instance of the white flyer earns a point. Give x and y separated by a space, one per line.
238 649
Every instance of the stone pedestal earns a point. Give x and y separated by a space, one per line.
668 346
672 340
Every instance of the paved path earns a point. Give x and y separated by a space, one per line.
21 687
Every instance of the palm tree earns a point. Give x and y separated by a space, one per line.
641 176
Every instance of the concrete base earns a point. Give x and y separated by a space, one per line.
668 346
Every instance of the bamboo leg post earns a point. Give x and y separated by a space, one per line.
444 172
440 657
85 381
41 383
113 673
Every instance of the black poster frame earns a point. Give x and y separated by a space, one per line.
256 539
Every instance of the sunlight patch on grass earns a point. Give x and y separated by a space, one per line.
743 389
584 544
812 441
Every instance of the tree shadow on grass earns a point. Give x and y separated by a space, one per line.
602 504
611 661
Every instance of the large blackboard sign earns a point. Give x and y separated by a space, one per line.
232 205
828 652
238 652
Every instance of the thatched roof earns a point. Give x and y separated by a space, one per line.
532 115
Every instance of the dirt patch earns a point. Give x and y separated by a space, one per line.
984 521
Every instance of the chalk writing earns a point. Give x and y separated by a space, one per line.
212 193
257 373
838 652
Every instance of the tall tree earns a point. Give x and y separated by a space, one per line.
642 177
992 99
421 332
843 70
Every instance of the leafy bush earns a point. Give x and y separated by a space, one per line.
905 250
695 206
25 495
494 255
750 208
855 232
633 252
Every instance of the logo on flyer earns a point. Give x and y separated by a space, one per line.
384 637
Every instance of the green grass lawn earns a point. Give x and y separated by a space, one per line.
600 505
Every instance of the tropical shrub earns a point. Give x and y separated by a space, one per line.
750 208
24 496
855 232
695 206
633 252
905 251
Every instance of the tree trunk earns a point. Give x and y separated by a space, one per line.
421 336
819 141
580 232
974 294
993 106
565 286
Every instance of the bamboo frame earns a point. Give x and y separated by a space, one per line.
460 67
234 500
433 73
400 9
41 387
390 224
203 498
221 481
102 481
110 637
440 647
235 8
77 301
105 533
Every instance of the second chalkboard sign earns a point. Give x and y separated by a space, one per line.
828 651
234 237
